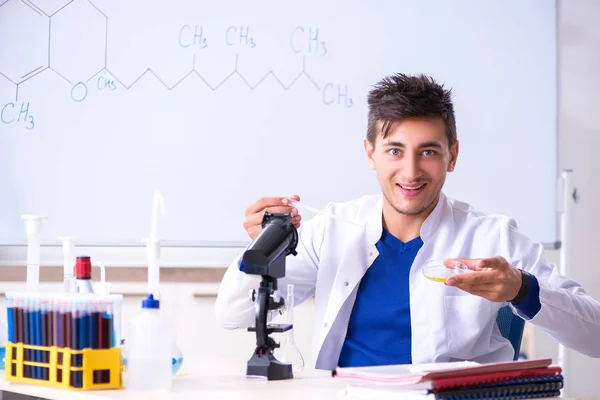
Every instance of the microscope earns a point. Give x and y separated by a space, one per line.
265 256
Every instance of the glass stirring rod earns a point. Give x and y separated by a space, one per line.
297 204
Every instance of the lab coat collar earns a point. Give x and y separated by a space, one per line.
374 226
433 220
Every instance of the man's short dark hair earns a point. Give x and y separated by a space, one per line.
399 97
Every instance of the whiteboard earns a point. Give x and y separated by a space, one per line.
219 103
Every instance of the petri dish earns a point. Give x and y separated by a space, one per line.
436 271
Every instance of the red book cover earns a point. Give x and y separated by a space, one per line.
492 378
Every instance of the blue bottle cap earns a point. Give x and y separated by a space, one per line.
150 302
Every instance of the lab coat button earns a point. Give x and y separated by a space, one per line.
371 254
325 325
346 283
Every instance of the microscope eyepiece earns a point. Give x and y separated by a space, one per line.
277 239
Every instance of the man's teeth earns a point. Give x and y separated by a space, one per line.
411 187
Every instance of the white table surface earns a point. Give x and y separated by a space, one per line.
220 379
212 379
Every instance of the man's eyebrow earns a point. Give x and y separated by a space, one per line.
430 144
421 146
394 144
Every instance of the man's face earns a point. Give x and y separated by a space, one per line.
412 162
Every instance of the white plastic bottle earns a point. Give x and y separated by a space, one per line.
149 349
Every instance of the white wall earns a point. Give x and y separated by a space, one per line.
579 131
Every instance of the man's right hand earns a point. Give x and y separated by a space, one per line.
256 211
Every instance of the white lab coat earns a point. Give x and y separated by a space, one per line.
447 323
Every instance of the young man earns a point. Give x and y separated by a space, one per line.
372 304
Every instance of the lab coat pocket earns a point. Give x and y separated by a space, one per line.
466 318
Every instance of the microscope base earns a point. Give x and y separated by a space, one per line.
269 367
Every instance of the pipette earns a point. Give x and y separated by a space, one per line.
68 246
297 204
153 246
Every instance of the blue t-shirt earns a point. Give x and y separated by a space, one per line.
379 331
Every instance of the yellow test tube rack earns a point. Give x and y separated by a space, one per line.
95 362
64 340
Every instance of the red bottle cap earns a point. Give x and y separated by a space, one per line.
83 267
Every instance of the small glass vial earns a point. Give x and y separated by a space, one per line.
289 352
83 273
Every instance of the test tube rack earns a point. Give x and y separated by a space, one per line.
64 340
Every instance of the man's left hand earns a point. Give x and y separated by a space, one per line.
492 278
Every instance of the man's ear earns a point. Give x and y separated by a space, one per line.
453 156
369 150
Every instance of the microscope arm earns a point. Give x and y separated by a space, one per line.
266 299
262 313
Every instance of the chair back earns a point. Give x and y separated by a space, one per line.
511 327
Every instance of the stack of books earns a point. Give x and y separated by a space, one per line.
527 379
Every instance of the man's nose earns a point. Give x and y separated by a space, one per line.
411 170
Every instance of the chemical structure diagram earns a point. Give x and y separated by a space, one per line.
303 40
